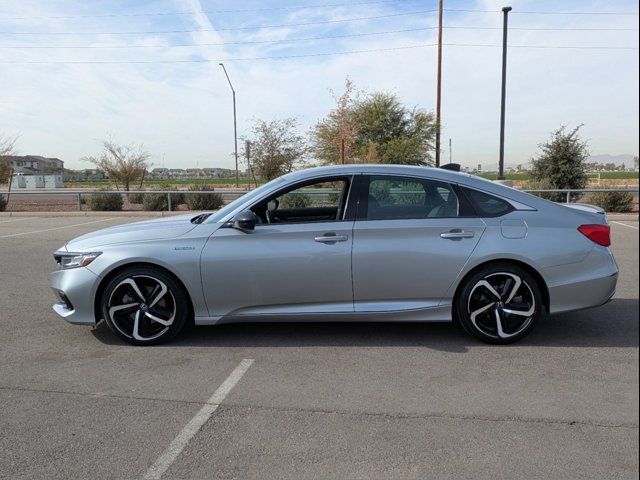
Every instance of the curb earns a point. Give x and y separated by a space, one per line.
96 214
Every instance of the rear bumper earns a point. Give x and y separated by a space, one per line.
75 290
581 295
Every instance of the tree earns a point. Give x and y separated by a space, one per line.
335 136
276 147
561 163
384 131
398 134
7 148
121 163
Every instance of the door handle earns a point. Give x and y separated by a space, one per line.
456 234
331 238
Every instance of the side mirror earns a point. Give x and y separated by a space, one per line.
245 221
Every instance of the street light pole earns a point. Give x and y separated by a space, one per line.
505 12
235 129
439 83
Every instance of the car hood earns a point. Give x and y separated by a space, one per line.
158 229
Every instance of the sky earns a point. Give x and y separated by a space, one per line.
146 72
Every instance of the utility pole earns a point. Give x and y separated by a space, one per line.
235 130
342 151
505 11
439 82
449 150
247 152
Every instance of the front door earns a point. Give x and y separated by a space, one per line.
296 261
411 239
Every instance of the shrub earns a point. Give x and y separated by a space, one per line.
546 185
203 201
176 198
616 202
158 202
105 202
295 200
3 203
155 202
381 191
135 198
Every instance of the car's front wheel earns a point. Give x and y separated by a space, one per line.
145 306
499 304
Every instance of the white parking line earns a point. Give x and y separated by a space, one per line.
625 225
56 228
165 460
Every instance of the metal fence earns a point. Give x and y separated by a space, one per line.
230 194
568 192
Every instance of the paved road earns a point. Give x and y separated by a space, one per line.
319 401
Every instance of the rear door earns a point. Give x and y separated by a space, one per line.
411 239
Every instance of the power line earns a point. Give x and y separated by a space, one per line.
192 12
256 42
560 47
550 29
207 60
308 55
258 27
304 39
540 12
298 7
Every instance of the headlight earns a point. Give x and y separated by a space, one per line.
75 260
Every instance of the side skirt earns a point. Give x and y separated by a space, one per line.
441 313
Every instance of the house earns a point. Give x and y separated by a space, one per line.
36 164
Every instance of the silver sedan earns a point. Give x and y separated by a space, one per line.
346 243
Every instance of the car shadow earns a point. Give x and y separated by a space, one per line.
612 325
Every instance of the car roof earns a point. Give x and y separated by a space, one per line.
438 173
444 175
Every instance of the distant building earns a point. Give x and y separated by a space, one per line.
36 180
159 173
36 164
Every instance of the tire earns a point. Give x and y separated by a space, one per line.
499 304
145 306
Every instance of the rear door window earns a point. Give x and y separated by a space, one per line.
397 198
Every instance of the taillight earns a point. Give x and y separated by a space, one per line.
600 234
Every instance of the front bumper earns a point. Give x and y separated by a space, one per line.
75 289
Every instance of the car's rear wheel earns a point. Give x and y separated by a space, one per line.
499 304
145 306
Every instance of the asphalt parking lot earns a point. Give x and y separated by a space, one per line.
319 400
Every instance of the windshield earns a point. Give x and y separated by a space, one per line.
226 210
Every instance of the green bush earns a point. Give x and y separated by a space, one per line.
203 201
176 198
381 191
155 202
295 200
616 202
158 202
3 203
546 185
105 202
135 198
